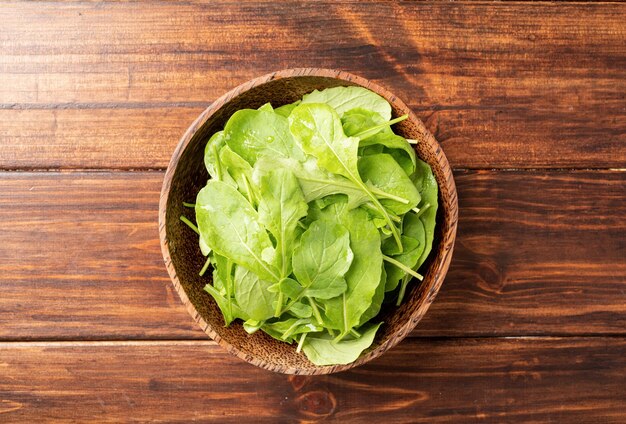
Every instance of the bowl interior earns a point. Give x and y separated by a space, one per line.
187 175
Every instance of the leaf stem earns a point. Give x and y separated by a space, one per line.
355 333
316 312
405 282
421 211
403 267
190 224
349 184
339 337
301 342
229 286
205 267
189 205
279 304
248 190
389 196
290 304
292 328
381 208
371 131
375 209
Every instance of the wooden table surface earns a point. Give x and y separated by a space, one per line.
527 100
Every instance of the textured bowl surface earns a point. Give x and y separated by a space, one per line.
186 175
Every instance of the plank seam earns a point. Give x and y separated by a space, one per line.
206 340
131 170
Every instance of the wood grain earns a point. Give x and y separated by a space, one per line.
537 253
513 86
80 258
421 380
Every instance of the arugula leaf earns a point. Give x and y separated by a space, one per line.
315 182
221 290
290 327
255 133
301 309
385 173
359 121
428 206
239 170
322 350
396 146
230 226
318 129
377 300
363 277
267 107
211 155
252 295
204 247
285 110
343 99
322 258
282 205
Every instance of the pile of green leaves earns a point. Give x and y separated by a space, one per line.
315 214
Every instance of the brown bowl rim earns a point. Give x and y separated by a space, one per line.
439 270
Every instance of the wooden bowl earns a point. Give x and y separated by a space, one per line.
186 175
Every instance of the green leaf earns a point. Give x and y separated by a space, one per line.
230 226
427 186
225 305
384 173
204 247
285 110
396 146
301 309
255 133
371 150
289 287
252 294
377 300
252 326
318 129
315 182
282 205
291 326
239 170
322 258
363 277
267 107
343 99
322 350
409 257
358 120
211 151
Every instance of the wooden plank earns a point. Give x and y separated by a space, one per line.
92 138
430 381
80 258
537 253
507 86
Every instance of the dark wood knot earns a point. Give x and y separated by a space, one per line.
317 403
